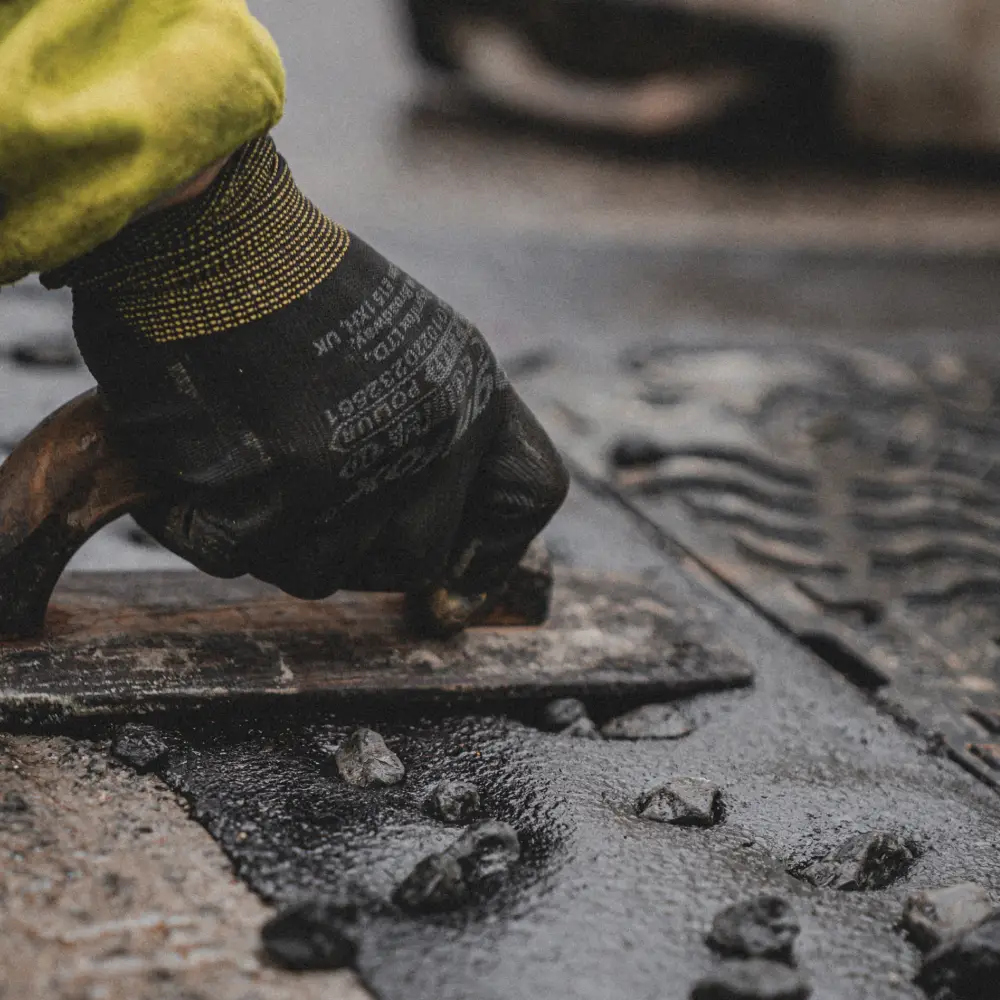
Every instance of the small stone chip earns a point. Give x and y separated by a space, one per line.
865 861
966 967
762 927
563 712
454 801
436 884
142 746
569 717
683 802
583 729
650 722
933 916
313 935
364 760
473 864
753 979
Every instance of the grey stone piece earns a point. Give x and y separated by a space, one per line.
473 865
454 801
366 761
966 967
683 802
569 717
932 916
436 884
865 861
487 850
762 927
753 979
563 712
139 745
316 934
584 729
650 722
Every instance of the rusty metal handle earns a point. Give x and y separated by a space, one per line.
59 486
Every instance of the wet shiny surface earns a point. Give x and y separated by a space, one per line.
602 904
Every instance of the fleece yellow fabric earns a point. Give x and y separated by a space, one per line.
108 104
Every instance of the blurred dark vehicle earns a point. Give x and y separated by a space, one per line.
914 75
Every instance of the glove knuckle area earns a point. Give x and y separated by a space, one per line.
217 531
524 462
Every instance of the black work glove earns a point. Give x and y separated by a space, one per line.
310 414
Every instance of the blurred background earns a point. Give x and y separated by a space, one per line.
860 122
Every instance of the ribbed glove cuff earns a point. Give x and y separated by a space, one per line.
249 246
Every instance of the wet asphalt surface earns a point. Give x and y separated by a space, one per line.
601 904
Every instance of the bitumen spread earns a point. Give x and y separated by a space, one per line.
601 903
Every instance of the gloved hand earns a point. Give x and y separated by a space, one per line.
311 415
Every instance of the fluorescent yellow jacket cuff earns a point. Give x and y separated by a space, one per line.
107 104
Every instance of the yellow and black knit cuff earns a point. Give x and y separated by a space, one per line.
248 247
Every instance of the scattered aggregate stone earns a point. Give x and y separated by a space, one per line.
683 802
933 916
313 935
454 801
584 729
473 865
865 861
365 760
650 722
140 745
762 927
569 717
437 883
966 967
632 450
753 979
564 712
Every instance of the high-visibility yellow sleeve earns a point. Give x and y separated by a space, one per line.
108 104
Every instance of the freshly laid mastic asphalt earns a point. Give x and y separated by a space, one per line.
601 903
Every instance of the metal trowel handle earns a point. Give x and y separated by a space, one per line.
59 486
